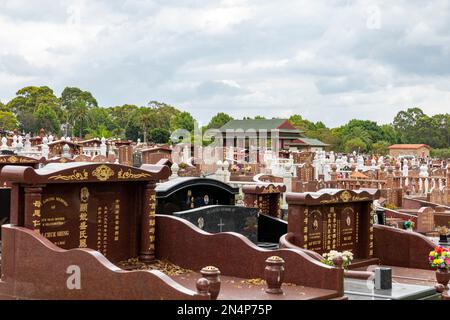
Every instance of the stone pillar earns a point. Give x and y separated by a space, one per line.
126 155
147 251
33 203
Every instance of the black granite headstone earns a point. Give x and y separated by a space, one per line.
218 218
383 278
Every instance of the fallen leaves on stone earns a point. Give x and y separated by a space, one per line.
164 266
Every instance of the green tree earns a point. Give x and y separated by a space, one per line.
146 117
218 120
124 118
46 118
8 121
80 116
355 144
100 117
4 108
71 100
159 135
28 100
381 147
183 120
406 124
98 132
163 114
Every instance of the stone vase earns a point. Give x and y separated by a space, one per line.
443 277
274 274
212 274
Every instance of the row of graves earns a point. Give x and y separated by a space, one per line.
331 219
105 220
80 231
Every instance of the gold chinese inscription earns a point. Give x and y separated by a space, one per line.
102 229
76 175
99 228
37 215
305 229
152 204
116 219
105 231
130 175
84 197
103 173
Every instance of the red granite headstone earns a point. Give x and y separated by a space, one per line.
106 207
333 219
425 220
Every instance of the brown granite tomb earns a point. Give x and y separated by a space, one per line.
106 207
333 219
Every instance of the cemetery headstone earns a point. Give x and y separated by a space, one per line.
106 207
214 219
425 220
333 219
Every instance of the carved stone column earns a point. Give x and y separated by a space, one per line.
147 252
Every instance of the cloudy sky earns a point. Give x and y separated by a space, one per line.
329 60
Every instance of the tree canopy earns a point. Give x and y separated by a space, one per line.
78 112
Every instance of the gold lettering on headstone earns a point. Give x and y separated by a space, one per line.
116 219
84 198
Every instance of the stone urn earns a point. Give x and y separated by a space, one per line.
213 275
274 274
443 277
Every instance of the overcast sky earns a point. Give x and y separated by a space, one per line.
330 60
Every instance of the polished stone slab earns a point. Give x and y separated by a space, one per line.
365 290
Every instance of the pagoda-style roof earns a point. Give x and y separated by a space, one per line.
307 142
83 172
282 125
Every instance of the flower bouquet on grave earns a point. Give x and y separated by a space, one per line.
409 225
440 259
182 166
443 233
234 168
247 169
347 258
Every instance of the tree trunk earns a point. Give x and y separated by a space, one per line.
145 135
81 130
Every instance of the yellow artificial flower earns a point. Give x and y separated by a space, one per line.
432 253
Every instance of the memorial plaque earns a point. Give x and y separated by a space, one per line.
425 220
216 219
108 208
333 219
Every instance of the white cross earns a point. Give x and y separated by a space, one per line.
221 224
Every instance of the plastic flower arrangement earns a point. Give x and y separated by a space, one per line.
347 258
439 258
409 224
234 168
443 230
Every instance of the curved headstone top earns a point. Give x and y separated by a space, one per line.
270 188
76 172
326 196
